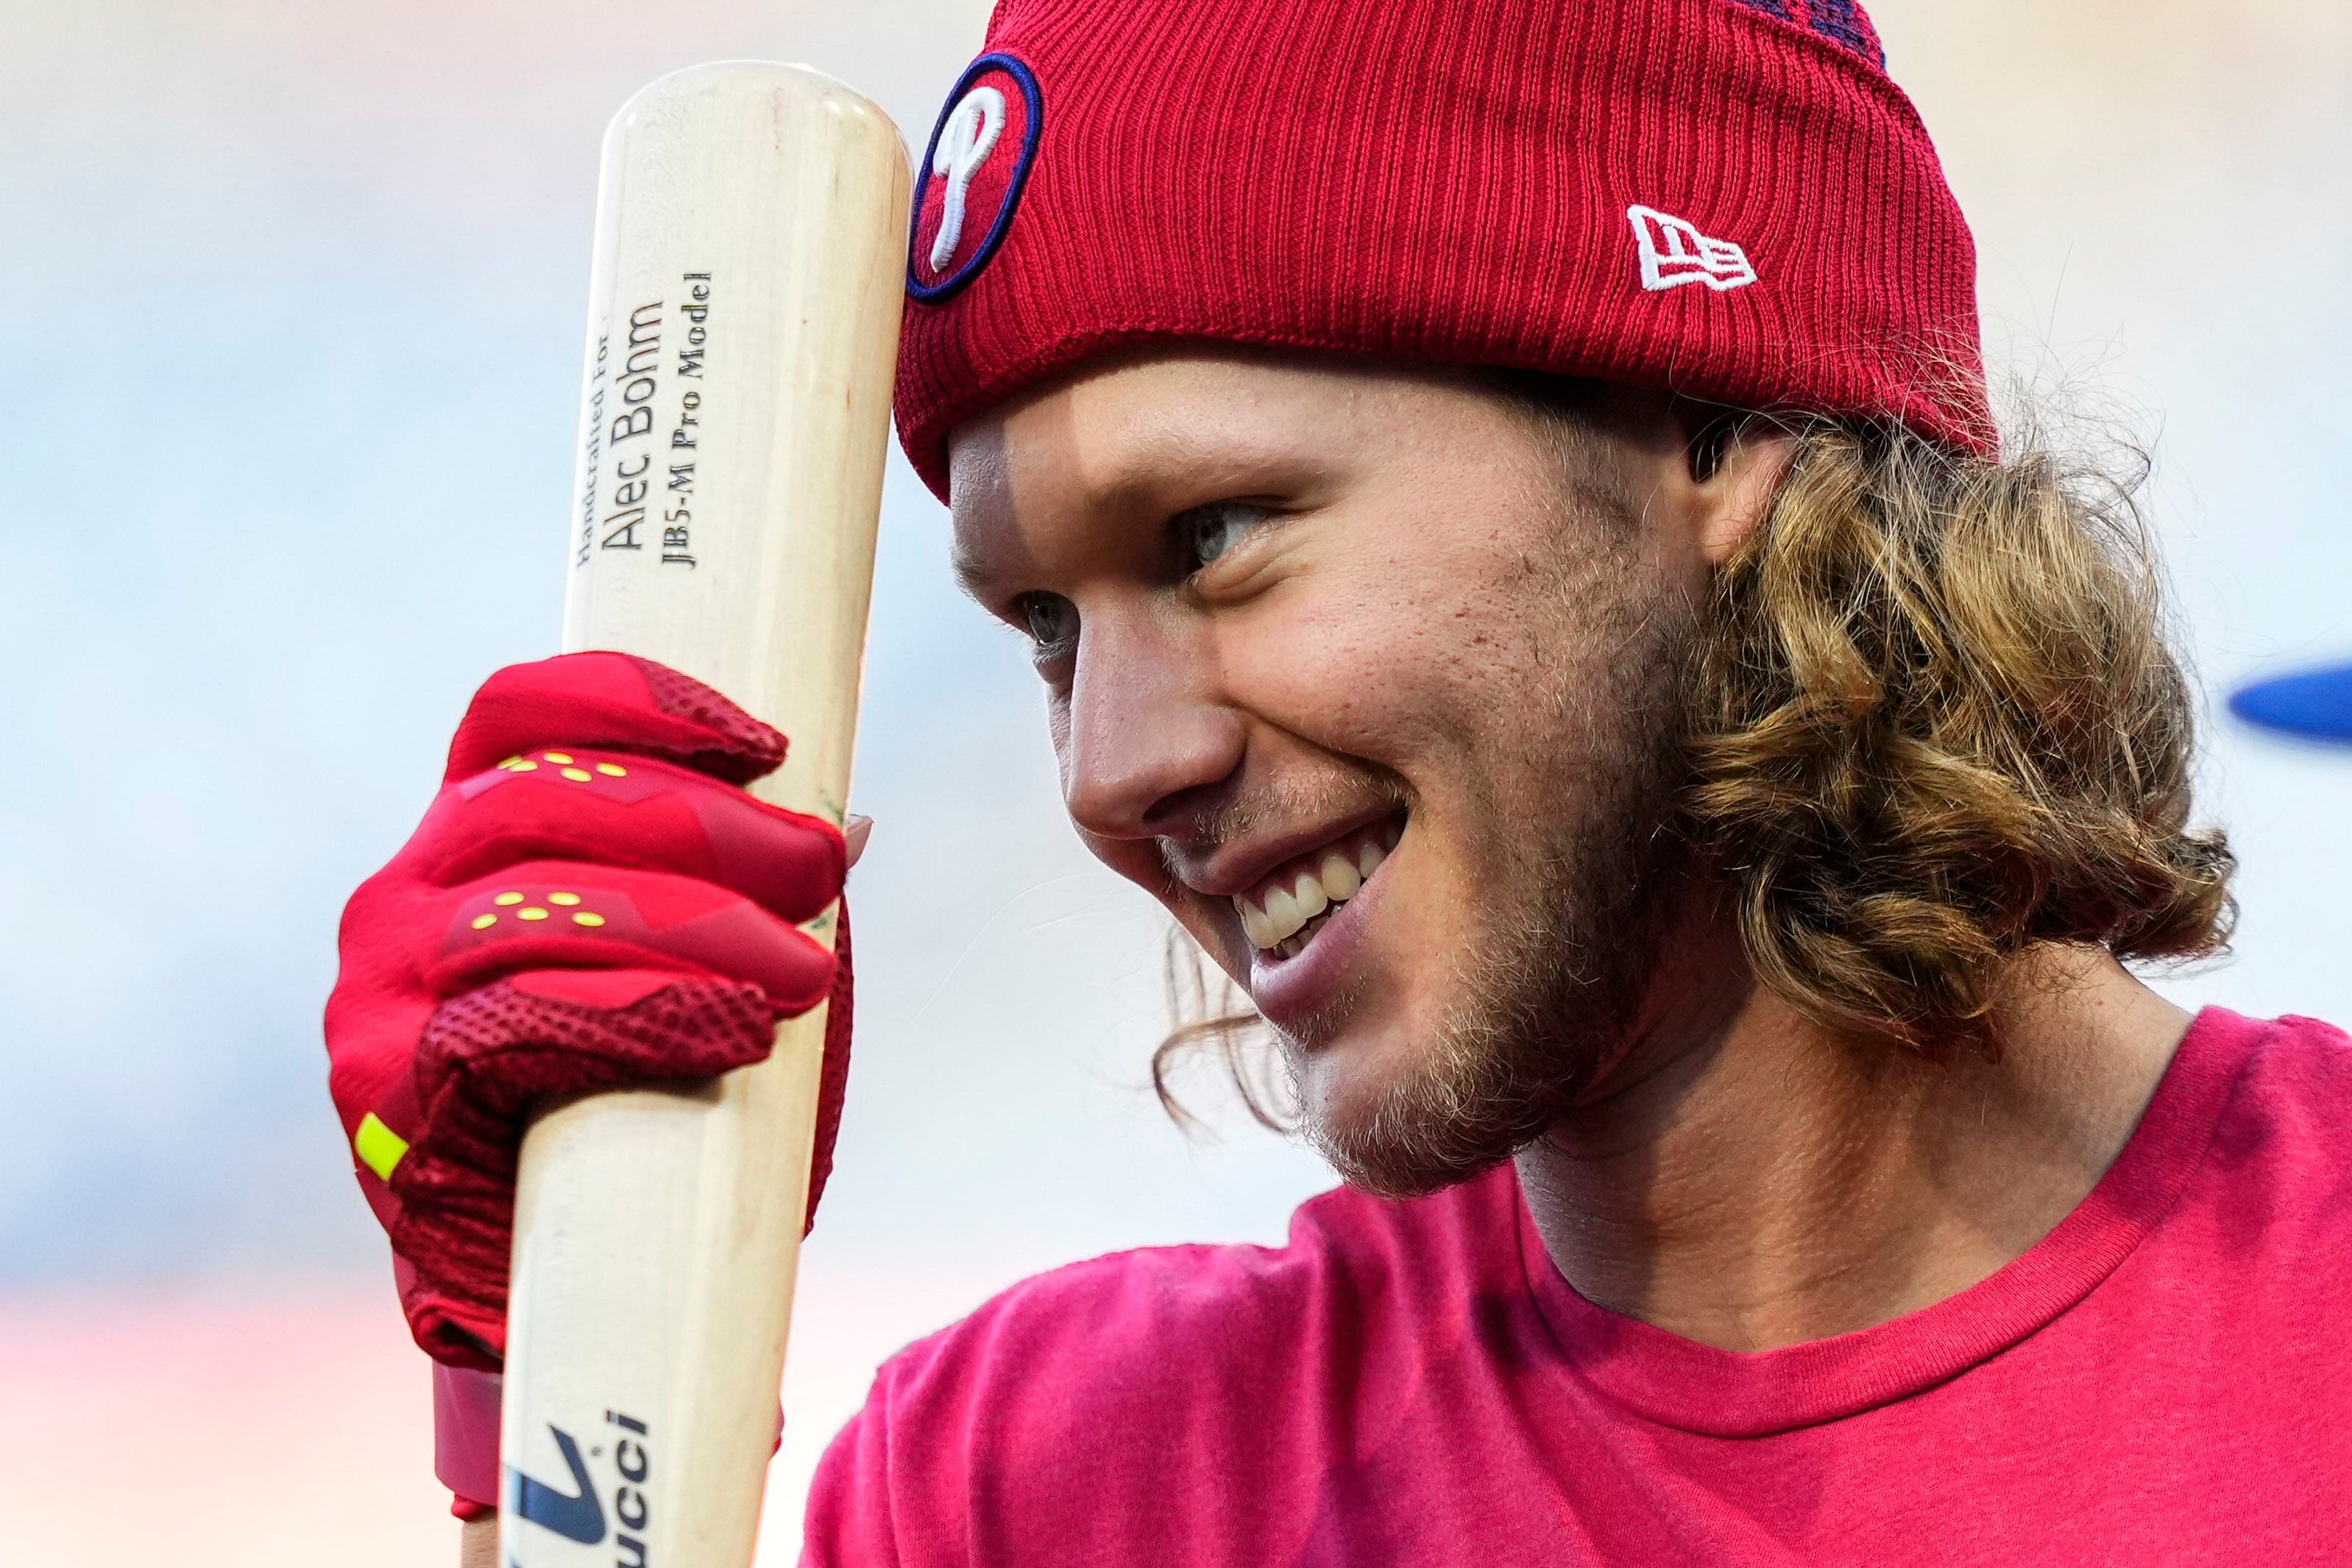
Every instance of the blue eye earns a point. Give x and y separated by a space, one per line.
1208 532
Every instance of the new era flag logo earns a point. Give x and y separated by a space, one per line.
1674 253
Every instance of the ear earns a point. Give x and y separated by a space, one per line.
1737 467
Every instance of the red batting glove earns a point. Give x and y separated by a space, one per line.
592 902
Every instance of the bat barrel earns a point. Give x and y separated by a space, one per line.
742 327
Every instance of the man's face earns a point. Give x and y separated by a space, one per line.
1373 678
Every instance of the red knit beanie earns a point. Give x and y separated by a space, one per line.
1727 198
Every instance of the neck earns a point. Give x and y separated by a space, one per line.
1749 1180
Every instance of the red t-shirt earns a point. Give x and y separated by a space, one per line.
2167 1378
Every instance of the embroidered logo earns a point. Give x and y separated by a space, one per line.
972 175
965 143
1674 253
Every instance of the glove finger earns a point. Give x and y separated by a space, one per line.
558 915
490 1055
591 804
614 700
487 1059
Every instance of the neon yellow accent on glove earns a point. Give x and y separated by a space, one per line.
378 1147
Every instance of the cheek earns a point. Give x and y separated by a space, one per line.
1402 668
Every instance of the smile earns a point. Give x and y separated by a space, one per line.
1283 914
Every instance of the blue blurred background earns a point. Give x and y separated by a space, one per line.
287 364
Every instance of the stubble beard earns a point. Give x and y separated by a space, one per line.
1576 869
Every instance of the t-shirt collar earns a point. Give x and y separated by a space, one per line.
1737 1393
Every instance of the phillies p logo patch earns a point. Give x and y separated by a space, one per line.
969 182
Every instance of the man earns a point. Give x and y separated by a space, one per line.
1504 505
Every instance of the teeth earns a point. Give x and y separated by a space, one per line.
1310 897
1288 910
1338 877
1282 917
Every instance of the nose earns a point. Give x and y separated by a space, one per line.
1147 727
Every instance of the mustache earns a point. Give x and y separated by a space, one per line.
1280 804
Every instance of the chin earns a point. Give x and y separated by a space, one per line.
1403 1112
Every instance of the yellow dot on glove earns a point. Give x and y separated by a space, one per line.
565 899
525 765
378 1147
559 757
587 917
507 899
484 922
531 915
578 775
611 770
511 762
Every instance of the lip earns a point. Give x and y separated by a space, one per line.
1238 869
1288 989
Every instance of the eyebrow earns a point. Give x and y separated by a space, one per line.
970 572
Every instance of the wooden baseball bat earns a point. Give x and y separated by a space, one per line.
742 330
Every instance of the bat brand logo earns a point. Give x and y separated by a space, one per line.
577 1515
1674 253
972 175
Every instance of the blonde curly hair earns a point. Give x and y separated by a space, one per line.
1937 723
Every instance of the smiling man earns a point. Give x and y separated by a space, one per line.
1519 563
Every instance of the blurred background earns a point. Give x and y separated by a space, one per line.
287 365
